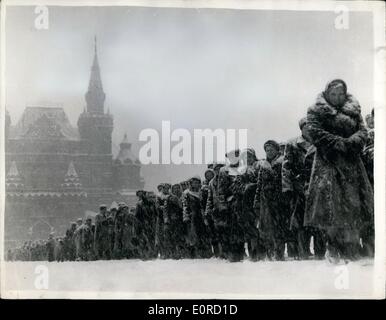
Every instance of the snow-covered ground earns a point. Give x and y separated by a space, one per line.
211 278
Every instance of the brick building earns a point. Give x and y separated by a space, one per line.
55 172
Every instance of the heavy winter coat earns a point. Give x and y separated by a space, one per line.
197 233
270 205
294 178
339 193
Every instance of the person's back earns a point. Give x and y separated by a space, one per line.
129 234
50 249
119 225
102 241
87 240
69 243
78 242
59 250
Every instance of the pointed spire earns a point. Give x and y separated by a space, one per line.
13 172
125 138
95 97
125 154
71 179
95 45
125 144
13 179
71 172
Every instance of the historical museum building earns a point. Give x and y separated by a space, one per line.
56 173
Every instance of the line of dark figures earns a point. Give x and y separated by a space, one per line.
317 186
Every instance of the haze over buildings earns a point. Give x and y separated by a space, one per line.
206 68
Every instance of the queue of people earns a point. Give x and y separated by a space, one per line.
310 198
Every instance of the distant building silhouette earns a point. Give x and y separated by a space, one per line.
56 172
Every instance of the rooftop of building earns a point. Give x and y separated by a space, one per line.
44 122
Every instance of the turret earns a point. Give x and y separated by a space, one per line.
95 97
71 179
95 126
126 169
14 181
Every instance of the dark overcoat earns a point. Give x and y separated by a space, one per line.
339 193
197 233
270 204
294 177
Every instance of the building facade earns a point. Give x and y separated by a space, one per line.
56 173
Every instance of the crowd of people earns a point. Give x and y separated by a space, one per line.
317 186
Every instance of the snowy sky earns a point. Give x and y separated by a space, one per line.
207 68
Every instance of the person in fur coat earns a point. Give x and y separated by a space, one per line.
197 237
339 198
270 204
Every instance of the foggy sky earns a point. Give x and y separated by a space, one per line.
207 68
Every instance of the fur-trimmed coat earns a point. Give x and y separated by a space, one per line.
248 190
339 193
197 233
220 194
368 156
173 228
269 203
146 215
294 177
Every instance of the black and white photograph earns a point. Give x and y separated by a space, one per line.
192 150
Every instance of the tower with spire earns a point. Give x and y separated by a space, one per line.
56 173
95 126
126 169
95 96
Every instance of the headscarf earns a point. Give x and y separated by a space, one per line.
140 193
218 165
195 178
282 147
122 205
233 156
335 84
189 190
248 153
369 121
302 122
167 186
210 165
209 170
272 143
